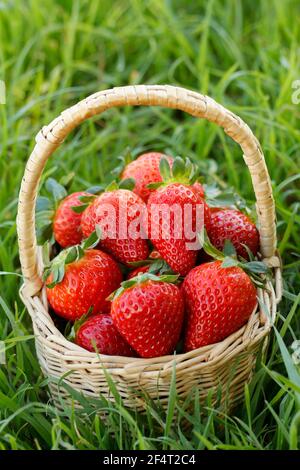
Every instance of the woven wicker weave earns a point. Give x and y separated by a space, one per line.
226 365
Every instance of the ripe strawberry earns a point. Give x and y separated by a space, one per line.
219 301
118 214
171 240
66 223
198 186
84 282
148 312
99 334
235 226
144 170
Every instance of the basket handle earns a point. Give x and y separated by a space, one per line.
51 136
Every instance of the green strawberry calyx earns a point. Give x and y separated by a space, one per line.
257 270
57 265
156 266
141 278
182 171
124 160
127 183
72 328
85 202
95 191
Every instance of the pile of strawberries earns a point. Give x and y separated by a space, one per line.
131 282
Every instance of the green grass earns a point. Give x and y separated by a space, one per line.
53 53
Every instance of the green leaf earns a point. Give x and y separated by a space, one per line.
67 180
86 199
254 269
61 272
44 234
178 168
46 273
229 262
128 183
208 247
72 328
113 186
80 251
257 267
72 255
160 266
97 189
79 209
93 240
57 265
43 204
155 185
249 252
55 189
164 169
46 253
124 160
118 170
291 368
211 191
140 279
138 264
216 197
55 275
191 171
58 271
170 278
127 157
98 231
156 266
229 249
114 295
43 217
171 405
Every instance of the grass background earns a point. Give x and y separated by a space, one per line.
244 54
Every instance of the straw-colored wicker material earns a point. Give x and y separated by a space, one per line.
226 365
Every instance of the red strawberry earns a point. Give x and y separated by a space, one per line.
66 223
198 186
144 170
172 241
148 312
85 283
218 300
99 334
235 226
117 213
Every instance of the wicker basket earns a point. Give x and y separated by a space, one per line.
224 366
